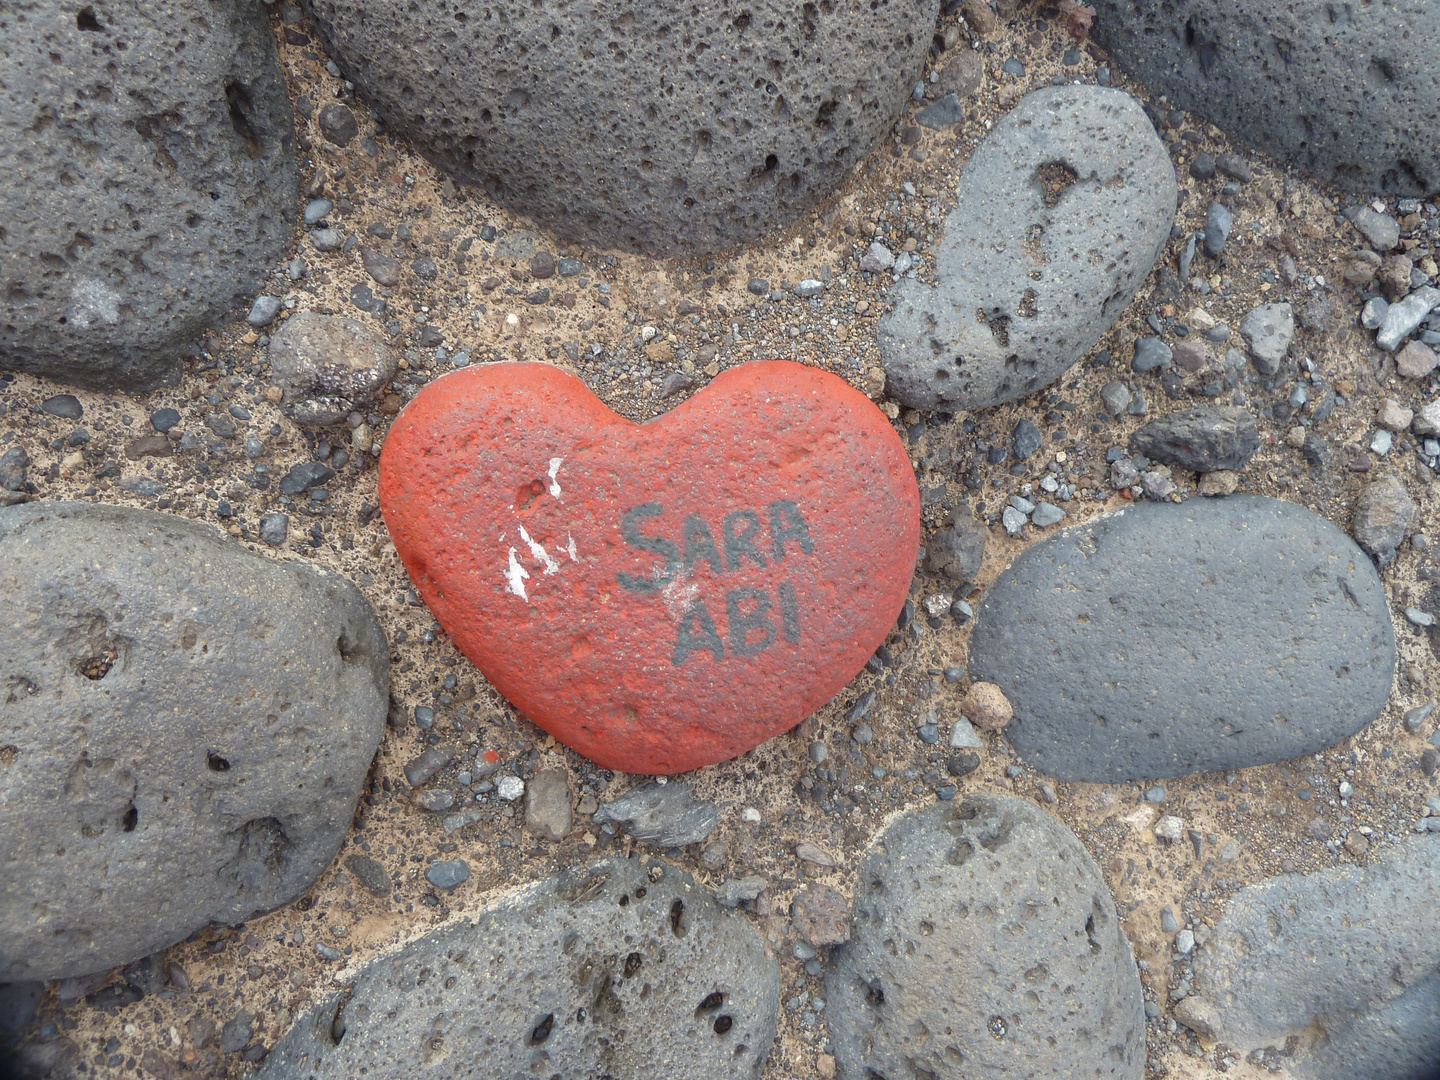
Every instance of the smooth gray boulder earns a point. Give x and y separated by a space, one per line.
148 181
986 945
1350 953
1062 212
661 128
328 366
1173 639
1345 91
187 728
622 968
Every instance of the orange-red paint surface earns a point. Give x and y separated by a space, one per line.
660 596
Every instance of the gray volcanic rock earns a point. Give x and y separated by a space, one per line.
1173 639
1036 262
665 815
986 945
148 181
1201 440
1344 91
1351 950
622 968
328 366
652 127
185 729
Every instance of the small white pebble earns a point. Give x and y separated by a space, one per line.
750 814
1345 789
510 788
1170 828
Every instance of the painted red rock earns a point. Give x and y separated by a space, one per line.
661 596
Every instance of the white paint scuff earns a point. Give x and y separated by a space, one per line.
679 596
555 463
515 576
541 555
570 548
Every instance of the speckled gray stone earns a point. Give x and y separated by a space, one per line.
623 968
188 725
1350 950
148 182
1343 90
1049 279
328 366
654 127
1174 639
986 945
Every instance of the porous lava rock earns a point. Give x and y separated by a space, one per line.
986 944
1062 212
652 127
1344 91
661 596
148 181
623 968
185 728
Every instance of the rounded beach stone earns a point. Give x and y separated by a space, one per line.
1350 951
665 596
186 730
986 944
328 367
148 181
1174 639
621 968
652 127
1062 212
1343 91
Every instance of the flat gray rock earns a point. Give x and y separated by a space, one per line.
1035 262
1344 91
623 968
148 182
986 945
1201 440
654 127
1173 639
664 815
186 730
1351 952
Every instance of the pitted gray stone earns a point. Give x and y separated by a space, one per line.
187 727
1174 639
1344 91
653 127
148 181
986 945
1351 951
1036 262
622 968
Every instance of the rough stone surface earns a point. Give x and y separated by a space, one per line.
547 805
958 550
665 815
1268 331
1019 212
1382 516
986 945
146 188
1201 440
163 757
328 367
665 596
1345 93
622 968
1350 950
653 128
1209 635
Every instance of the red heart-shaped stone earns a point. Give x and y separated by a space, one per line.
660 596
